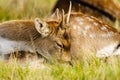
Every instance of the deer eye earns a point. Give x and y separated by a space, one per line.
60 45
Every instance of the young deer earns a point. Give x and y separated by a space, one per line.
46 37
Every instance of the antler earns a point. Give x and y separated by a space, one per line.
69 12
68 17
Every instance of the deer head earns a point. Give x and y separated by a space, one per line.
53 30
46 36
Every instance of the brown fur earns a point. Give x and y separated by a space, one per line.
107 10
81 41
14 30
52 47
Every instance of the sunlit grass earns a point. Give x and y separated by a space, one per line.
25 9
96 69
92 70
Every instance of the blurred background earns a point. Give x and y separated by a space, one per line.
25 9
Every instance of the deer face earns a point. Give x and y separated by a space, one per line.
55 35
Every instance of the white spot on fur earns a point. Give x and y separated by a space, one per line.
79 19
74 27
87 27
103 28
84 33
106 51
79 30
110 33
103 35
92 35
96 24
80 22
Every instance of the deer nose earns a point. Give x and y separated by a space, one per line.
66 57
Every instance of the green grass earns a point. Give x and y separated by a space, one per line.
25 9
95 69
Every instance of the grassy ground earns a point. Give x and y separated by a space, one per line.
95 69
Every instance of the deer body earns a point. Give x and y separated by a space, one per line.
89 35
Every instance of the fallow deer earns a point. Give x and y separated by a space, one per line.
89 35
46 37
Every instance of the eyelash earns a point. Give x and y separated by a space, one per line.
61 46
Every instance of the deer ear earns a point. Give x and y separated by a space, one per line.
57 19
42 27
56 15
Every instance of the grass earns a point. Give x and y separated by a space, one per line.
25 9
93 70
96 69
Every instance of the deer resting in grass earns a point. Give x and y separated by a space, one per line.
62 36
46 37
90 36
